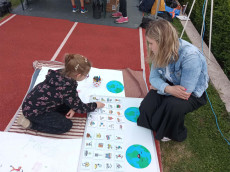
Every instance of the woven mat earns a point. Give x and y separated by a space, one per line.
134 85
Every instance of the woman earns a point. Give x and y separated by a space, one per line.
178 80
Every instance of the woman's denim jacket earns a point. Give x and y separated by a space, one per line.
190 71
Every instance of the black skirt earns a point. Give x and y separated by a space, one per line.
165 114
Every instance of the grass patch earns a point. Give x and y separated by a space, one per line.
15 3
204 149
176 23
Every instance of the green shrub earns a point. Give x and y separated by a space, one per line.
220 28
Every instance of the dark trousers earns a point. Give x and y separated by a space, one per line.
123 7
52 122
165 114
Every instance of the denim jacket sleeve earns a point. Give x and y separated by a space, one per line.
157 80
190 71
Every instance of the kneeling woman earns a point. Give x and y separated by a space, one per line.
178 80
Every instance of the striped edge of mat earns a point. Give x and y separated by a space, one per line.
77 131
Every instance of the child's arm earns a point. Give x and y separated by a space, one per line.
74 102
71 113
100 105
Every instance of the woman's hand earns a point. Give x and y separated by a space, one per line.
70 114
100 105
177 91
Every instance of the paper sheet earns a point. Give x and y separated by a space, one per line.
86 88
38 154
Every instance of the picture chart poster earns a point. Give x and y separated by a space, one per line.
112 140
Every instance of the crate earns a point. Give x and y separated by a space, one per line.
112 5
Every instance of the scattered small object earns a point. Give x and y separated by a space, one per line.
183 17
96 81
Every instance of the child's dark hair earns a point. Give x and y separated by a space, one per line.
76 64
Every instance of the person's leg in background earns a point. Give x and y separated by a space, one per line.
74 6
83 9
122 14
123 7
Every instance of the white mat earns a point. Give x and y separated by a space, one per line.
86 88
38 154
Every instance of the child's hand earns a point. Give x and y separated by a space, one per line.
70 114
100 105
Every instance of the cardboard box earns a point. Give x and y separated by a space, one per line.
112 5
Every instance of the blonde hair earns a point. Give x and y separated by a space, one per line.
166 38
76 64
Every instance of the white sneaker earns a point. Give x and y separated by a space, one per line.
25 123
84 10
75 10
165 139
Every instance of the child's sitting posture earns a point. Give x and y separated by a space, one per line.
52 103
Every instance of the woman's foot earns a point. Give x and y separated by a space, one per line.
117 14
165 139
25 123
